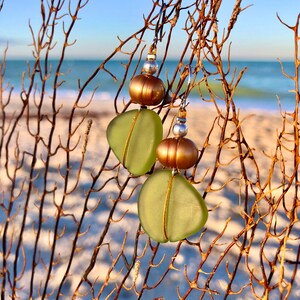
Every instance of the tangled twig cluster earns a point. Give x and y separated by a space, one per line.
67 226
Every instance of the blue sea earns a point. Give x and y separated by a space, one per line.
260 87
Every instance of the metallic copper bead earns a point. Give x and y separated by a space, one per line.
146 89
179 153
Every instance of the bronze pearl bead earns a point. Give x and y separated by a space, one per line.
146 89
179 153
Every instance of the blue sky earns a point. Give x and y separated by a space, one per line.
258 33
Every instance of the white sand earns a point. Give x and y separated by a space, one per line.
260 130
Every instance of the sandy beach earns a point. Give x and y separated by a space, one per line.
87 174
76 224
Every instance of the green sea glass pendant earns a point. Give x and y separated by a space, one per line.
133 137
170 208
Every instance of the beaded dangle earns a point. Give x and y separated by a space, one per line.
169 207
134 135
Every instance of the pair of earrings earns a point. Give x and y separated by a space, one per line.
169 207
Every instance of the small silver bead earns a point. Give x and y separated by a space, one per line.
180 129
150 67
181 120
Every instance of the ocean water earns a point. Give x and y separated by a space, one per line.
260 87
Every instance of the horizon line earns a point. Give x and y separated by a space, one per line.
236 59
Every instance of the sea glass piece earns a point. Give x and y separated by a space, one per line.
133 137
170 208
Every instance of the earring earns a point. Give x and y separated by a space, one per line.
169 207
134 135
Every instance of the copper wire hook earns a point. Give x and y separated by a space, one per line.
184 96
158 32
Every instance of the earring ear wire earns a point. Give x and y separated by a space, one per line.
150 65
184 95
158 31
